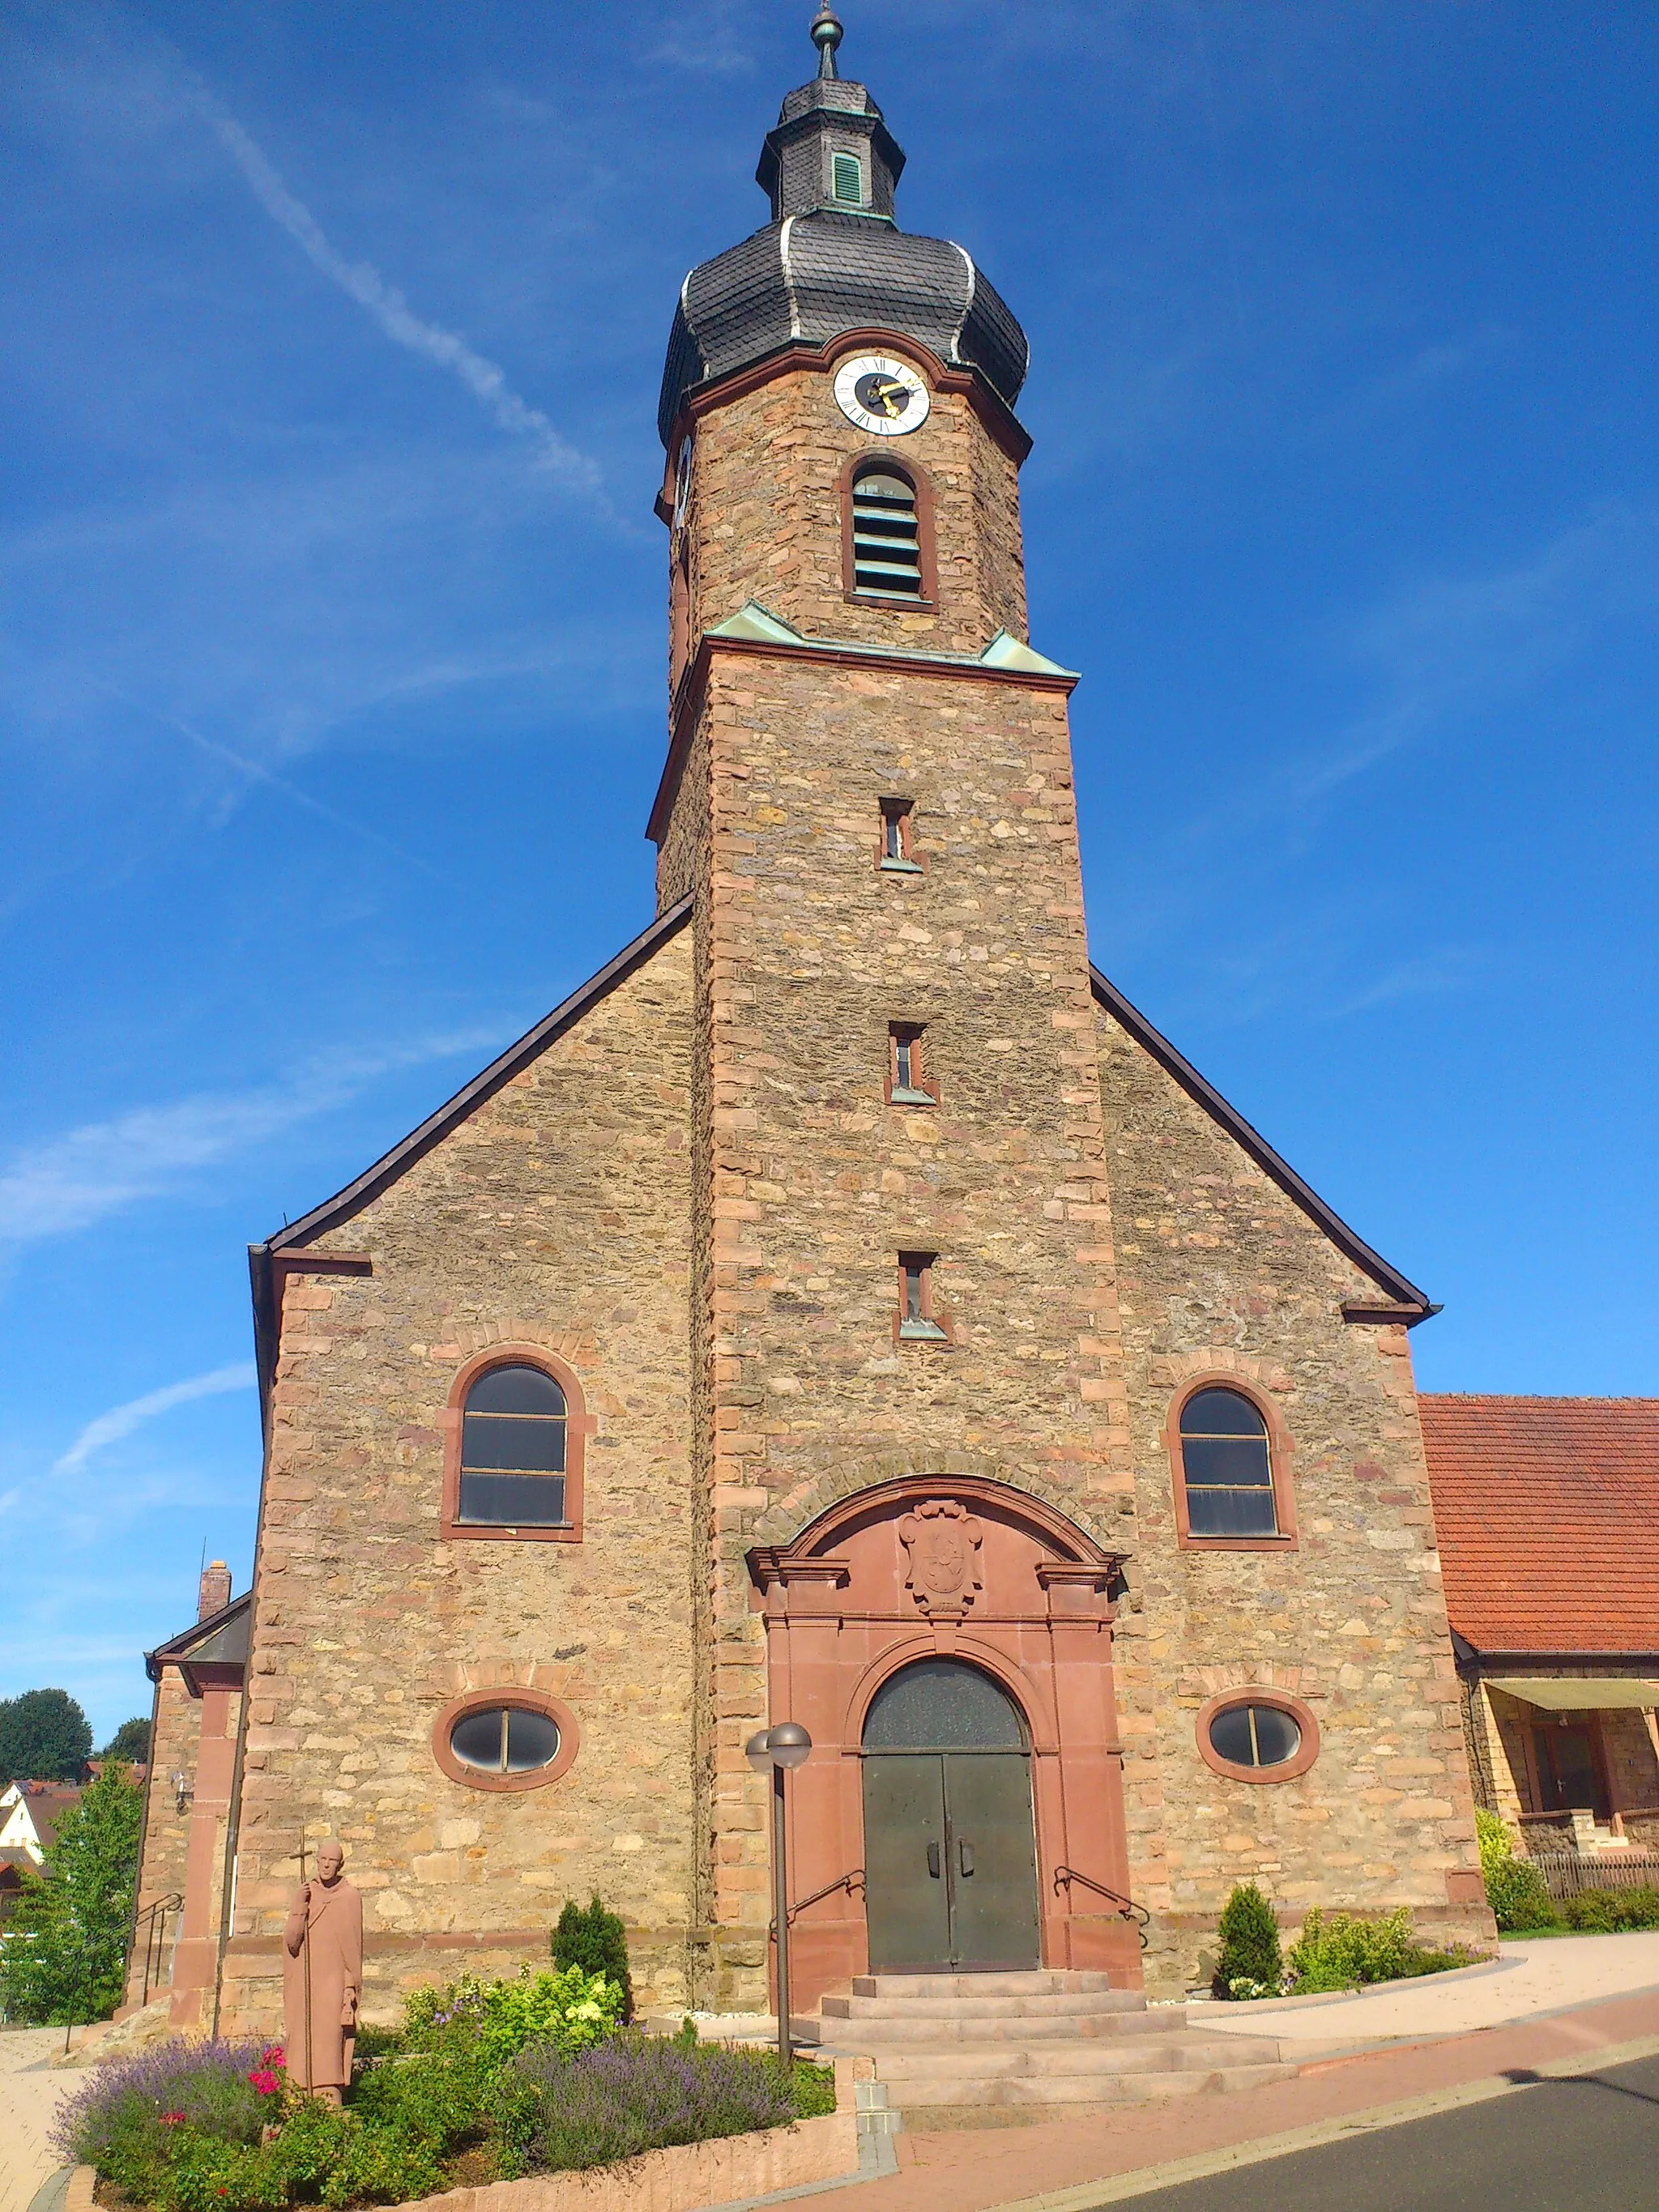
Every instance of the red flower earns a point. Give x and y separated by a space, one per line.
264 2081
173 2119
272 2055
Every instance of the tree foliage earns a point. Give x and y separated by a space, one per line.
43 1737
130 1742
596 1941
64 1956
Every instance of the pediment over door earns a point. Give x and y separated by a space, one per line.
939 1548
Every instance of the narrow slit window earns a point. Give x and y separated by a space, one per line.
886 535
916 1323
896 829
847 180
907 1085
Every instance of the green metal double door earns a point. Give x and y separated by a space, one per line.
949 1855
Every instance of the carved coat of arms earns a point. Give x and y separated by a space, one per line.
942 1542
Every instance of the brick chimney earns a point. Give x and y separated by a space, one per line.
215 1594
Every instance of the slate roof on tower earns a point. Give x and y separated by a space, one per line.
823 265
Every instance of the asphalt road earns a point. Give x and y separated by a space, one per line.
1590 2143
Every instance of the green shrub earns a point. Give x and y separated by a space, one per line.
1611 1911
1492 1835
497 2020
1248 1964
1516 1893
1347 1953
596 1941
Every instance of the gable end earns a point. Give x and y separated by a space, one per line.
1408 1304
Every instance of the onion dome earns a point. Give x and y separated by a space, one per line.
832 259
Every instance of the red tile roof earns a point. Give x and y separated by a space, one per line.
1547 1515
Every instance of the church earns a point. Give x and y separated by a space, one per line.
846 1308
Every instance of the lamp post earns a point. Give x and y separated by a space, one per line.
784 1745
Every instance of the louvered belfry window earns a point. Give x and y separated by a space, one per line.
886 535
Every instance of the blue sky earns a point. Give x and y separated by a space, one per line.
332 629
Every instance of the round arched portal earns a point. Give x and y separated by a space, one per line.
950 1843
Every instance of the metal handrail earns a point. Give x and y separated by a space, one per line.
841 1882
1126 1907
155 1935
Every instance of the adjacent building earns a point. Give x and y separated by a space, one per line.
1547 1510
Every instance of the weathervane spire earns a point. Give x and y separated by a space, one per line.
826 37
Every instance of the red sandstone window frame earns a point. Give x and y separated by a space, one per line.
924 1263
920 483
579 1425
524 1701
1281 1457
891 808
911 1033
1248 1694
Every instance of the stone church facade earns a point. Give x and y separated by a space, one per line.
846 1307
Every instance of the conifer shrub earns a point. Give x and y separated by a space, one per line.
595 1940
1248 1964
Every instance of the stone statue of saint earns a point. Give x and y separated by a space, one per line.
323 1977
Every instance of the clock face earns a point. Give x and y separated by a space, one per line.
683 481
881 395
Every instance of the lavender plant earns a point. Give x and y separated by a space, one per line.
554 2114
129 2118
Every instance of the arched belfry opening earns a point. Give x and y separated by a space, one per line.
947 1639
950 1842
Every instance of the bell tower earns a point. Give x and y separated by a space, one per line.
904 1263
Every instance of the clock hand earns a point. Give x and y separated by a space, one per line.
886 393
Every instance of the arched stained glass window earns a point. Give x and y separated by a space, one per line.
512 1450
1226 1467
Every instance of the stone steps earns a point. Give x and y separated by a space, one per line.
1046 2037
1048 2004
978 2092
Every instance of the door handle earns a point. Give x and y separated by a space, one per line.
966 1857
934 1866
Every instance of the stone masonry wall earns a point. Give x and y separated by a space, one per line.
1219 1273
765 518
556 1215
174 1747
818 1184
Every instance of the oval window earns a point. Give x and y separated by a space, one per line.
504 1740
1254 1736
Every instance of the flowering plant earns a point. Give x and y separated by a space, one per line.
267 2083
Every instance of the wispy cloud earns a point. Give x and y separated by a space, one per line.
121 1420
73 1181
1451 649
362 281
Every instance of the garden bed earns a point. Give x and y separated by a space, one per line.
528 2093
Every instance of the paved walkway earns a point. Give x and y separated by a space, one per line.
1055 2165
28 2102
1526 1980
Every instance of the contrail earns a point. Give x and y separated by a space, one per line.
109 1428
363 282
